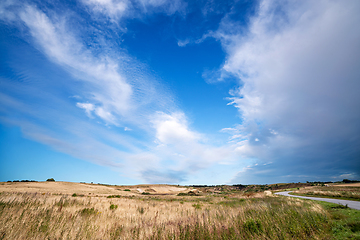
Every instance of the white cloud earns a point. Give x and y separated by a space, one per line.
115 96
173 129
118 88
109 88
115 9
87 106
299 68
118 9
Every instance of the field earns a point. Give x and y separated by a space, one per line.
59 210
343 191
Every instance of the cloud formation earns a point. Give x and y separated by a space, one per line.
298 65
108 94
119 9
297 73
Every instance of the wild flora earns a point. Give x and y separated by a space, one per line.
197 206
88 211
30 216
113 207
141 210
253 226
114 196
351 193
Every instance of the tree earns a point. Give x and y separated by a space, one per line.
50 180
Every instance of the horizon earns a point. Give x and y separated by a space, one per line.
188 185
180 92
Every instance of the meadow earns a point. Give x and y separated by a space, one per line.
347 192
129 214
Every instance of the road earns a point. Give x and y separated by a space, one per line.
350 204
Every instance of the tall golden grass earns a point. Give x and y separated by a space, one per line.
47 216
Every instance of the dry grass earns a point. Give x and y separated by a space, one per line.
52 216
336 191
87 188
348 185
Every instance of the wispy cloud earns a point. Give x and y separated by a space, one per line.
296 64
119 9
117 94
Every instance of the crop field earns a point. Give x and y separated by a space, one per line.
131 214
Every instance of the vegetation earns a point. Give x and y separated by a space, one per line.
50 180
344 222
347 193
350 181
205 212
49 216
113 207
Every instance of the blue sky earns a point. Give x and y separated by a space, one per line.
182 92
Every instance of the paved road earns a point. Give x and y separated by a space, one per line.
351 204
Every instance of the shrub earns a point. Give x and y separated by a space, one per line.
145 193
74 195
197 206
182 194
113 207
127 190
141 210
88 211
50 180
114 196
190 193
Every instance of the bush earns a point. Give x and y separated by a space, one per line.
145 193
114 196
113 207
88 211
127 190
190 193
74 195
182 194
50 180
197 206
141 210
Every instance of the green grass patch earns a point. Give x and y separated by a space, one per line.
232 202
344 222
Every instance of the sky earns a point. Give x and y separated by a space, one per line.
180 92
